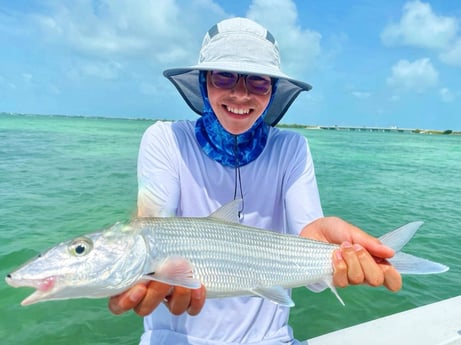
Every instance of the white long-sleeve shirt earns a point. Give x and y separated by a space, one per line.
280 193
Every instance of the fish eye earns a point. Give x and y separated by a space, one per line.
80 246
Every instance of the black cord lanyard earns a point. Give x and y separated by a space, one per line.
238 189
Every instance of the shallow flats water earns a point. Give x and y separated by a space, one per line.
64 176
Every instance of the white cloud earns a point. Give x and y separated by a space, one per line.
419 26
161 33
452 55
146 29
418 75
394 98
299 48
446 95
54 89
108 71
5 82
149 89
27 78
361 94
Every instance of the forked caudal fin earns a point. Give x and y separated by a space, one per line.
406 263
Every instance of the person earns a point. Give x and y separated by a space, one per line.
233 150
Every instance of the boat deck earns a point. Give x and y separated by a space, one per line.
433 324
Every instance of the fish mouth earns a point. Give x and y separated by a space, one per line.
43 287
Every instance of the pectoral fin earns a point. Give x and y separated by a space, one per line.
326 282
329 283
175 270
276 294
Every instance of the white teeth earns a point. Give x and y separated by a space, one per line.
238 111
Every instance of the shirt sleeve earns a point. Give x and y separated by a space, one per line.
158 177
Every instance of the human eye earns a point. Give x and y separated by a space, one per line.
259 84
225 75
259 79
224 79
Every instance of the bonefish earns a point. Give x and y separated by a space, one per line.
228 258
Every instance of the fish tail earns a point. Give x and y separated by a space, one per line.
406 263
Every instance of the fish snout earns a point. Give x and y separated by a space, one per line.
10 281
43 284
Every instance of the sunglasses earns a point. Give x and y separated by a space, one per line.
257 84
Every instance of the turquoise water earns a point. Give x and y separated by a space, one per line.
62 176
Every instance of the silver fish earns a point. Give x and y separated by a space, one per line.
230 259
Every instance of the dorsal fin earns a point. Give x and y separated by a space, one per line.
228 212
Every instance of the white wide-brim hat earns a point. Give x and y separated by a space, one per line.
243 46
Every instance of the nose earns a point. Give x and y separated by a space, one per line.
240 87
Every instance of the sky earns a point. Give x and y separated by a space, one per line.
371 63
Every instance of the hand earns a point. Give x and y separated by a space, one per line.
143 298
361 257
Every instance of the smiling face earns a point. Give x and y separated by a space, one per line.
237 109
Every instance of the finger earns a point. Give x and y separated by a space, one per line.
372 244
179 300
373 273
340 270
155 294
127 300
392 278
355 274
197 301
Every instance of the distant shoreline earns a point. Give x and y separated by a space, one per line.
85 116
372 129
280 125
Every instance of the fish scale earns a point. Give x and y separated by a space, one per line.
231 257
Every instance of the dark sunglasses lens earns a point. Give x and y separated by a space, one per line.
260 85
224 80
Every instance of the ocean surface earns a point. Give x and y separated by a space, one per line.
64 176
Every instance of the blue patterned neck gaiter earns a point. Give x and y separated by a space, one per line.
226 148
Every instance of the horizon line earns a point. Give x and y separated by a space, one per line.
115 117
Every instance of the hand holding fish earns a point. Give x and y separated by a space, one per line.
361 257
143 298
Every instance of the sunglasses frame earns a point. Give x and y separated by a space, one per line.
249 83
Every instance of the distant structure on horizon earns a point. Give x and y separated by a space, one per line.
393 129
370 129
